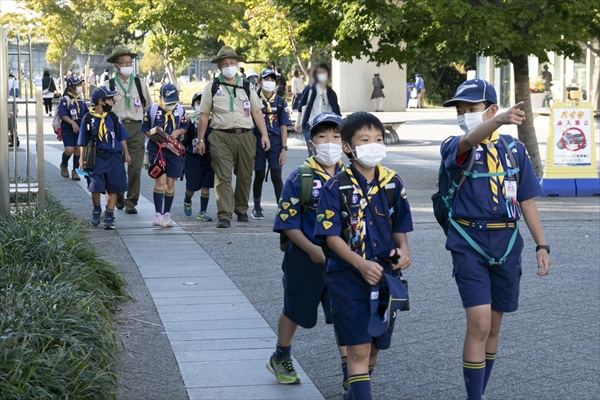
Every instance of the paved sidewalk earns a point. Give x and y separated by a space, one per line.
219 339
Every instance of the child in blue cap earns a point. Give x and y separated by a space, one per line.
483 238
71 108
103 128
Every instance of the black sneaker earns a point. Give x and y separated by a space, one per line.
224 223
257 213
242 217
131 210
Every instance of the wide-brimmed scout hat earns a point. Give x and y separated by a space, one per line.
226 52
118 52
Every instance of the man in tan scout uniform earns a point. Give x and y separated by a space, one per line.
130 106
232 143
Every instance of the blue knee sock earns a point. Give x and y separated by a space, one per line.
158 200
474 373
169 201
282 351
489 364
345 366
204 202
65 159
360 387
75 162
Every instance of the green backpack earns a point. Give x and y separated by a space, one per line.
306 186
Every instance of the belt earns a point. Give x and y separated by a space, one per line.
239 130
129 121
484 225
108 152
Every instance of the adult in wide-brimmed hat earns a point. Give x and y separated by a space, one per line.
129 104
235 109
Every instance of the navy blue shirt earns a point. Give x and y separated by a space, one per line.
181 122
290 214
331 223
274 127
474 199
114 134
72 108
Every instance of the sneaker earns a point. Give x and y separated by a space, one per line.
242 217
157 221
64 172
283 370
345 385
204 217
95 221
166 220
224 223
109 223
187 208
75 176
257 213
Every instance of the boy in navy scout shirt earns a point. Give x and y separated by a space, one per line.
170 116
197 168
277 120
487 209
304 261
376 231
103 127
71 109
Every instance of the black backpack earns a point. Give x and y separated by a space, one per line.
306 185
138 86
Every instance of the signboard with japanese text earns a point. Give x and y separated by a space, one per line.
573 145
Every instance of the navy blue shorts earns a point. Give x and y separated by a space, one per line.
478 283
69 137
109 174
260 161
303 288
174 163
350 301
198 172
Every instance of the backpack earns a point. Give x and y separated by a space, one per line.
306 185
217 82
443 199
138 86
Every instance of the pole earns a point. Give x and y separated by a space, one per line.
28 97
4 165
14 117
39 146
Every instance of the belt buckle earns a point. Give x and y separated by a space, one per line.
479 225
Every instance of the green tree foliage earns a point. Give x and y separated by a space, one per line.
175 29
508 30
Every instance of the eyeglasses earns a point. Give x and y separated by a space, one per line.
125 64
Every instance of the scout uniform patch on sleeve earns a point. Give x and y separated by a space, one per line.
327 224
283 216
329 214
293 212
320 217
285 205
294 200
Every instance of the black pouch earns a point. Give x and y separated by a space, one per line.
407 304
89 156
158 166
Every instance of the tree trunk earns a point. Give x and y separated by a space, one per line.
298 55
526 130
61 78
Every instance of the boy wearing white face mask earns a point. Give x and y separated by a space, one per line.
367 237
485 213
277 120
304 261
71 109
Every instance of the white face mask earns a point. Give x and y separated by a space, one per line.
126 71
322 77
79 89
229 72
196 108
468 121
369 155
268 86
170 107
328 154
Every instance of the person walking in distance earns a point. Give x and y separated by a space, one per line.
48 90
377 94
297 89
130 102
420 86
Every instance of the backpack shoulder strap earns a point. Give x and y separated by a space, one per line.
459 179
88 125
246 85
153 110
111 84
345 191
306 185
215 87
390 192
509 143
279 107
138 86
115 119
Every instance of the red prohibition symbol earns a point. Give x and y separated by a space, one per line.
572 139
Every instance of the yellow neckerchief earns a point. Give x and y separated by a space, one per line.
74 99
494 166
102 131
317 169
268 102
168 115
384 176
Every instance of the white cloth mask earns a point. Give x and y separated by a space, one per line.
323 77
369 155
126 71
268 86
170 107
229 72
196 108
328 154
468 121
79 89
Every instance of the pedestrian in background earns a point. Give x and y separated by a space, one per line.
281 83
420 86
297 89
91 81
48 92
377 94
105 76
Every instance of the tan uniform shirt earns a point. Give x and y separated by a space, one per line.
135 111
220 106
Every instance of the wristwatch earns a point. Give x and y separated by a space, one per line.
542 246
201 140
285 148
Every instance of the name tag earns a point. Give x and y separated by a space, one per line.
73 113
137 102
246 104
510 189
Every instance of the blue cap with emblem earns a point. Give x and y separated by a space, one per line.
387 297
102 92
326 118
267 72
169 93
474 91
73 80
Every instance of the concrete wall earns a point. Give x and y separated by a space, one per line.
353 84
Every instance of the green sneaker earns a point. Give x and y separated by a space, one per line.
345 385
203 216
187 208
283 370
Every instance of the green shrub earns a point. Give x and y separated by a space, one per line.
57 300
